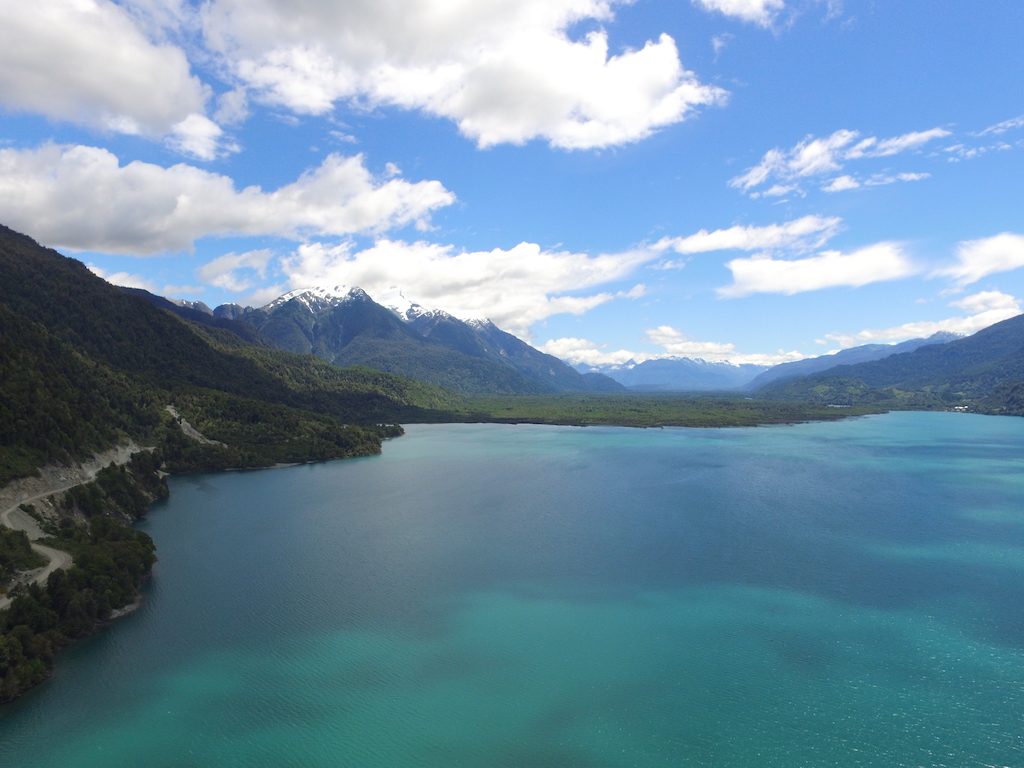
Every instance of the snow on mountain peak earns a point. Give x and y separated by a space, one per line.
318 299
409 310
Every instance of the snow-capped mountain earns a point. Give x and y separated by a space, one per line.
344 326
317 299
678 374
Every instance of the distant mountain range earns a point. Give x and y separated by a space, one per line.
346 327
851 356
677 374
696 375
984 370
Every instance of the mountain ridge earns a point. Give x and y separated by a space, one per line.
973 370
667 374
850 356
350 328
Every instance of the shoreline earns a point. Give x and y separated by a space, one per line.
52 479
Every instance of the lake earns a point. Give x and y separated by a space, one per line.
499 596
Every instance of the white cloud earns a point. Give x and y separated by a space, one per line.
762 12
515 288
986 301
199 137
232 107
841 183
503 70
1003 127
811 156
872 147
520 286
123 278
815 157
979 258
720 42
989 307
87 61
224 271
577 351
800 234
760 274
678 344
80 198
675 343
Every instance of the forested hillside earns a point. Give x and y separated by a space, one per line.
85 366
83 363
982 372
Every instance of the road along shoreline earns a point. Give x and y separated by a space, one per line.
52 479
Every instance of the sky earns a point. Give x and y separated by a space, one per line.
752 181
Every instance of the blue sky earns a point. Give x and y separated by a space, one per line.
745 180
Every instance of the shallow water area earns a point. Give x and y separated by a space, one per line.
840 594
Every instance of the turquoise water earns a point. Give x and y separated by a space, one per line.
489 596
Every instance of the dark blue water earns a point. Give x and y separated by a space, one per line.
845 594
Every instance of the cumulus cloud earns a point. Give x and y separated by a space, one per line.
503 70
761 12
123 278
763 274
678 344
80 198
88 62
979 258
515 288
815 157
988 307
520 286
576 351
986 301
800 234
199 137
675 343
236 271
232 107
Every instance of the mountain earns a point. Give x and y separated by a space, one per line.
84 364
862 354
986 367
482 338
678 374
198 312
347 327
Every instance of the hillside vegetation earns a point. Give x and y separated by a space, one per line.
648 410
983 373
83 364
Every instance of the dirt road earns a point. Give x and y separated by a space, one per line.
52 480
